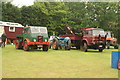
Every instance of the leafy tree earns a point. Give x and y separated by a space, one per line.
10 13
55 15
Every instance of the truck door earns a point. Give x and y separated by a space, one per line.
88 36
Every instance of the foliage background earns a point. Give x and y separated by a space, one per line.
54 15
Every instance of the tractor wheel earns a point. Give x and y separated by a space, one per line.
100 50
18 45
68 45
116 47
85 47
45 47
25 46
55 44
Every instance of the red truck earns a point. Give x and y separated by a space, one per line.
86 38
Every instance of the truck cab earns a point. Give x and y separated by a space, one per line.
93 38
33 37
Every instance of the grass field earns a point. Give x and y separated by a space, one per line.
57 64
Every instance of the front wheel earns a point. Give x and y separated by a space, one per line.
116 47
25 46
100 50
45 47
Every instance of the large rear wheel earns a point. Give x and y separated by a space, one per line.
55 44
45 47
25 46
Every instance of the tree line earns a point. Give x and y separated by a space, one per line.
55 15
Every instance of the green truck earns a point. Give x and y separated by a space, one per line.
32 37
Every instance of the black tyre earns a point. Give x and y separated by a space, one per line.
68 47
25 46
55 44
116 47
45 47
100 50
85 47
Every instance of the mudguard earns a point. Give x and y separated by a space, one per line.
66 39
85 41
27 40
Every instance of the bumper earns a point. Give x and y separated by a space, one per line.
38 43
97 45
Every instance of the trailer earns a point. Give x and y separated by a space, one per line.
86 38
11 30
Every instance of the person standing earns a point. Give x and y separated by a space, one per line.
4 36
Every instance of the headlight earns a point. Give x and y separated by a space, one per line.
34 40
100 46
45 40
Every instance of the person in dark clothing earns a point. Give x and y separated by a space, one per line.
3 37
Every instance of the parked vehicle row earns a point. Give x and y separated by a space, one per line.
34 37
86 38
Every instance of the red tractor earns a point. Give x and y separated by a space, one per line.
86 38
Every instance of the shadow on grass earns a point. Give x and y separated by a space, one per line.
89 50
32 50
94 52
62 50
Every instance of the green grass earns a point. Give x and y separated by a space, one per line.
57 64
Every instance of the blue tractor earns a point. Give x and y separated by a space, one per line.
59 43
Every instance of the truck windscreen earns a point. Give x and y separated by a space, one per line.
38 30
98 32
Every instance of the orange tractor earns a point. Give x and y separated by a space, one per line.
111 40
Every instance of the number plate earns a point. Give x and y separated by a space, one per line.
39 45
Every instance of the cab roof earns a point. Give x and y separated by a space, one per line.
10 24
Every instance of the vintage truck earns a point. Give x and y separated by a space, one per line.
32 37
111 40
86 38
